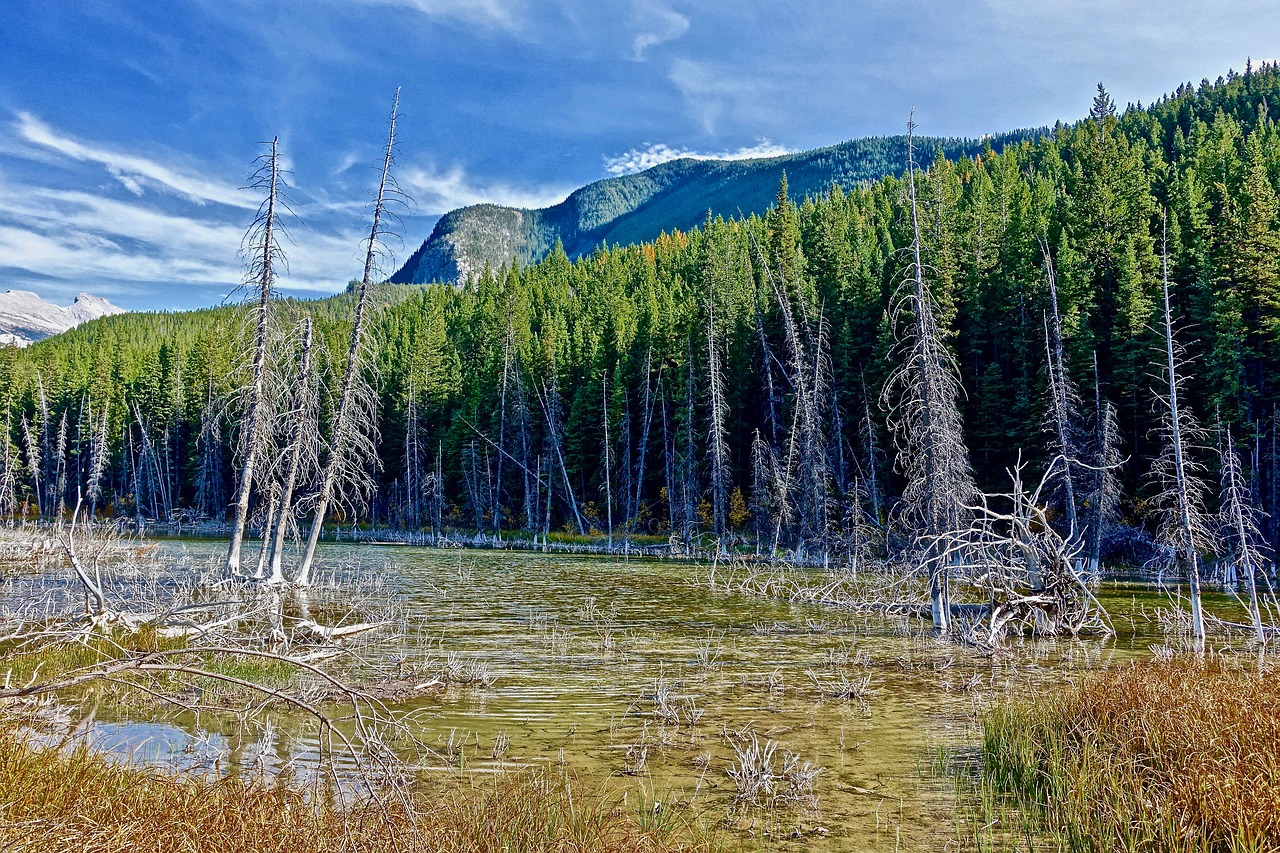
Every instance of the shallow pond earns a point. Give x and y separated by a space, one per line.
635 671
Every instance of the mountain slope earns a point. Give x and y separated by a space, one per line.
26 318
673 195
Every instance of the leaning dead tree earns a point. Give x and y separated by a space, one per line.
1241 535
262 246
1184 527
352 432
922 395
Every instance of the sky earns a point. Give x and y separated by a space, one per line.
129 129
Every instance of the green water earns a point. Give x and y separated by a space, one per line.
631 670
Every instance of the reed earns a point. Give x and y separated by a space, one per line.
1179 755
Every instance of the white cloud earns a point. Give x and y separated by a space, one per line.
639 159
657 25
134 173
497 14
437 191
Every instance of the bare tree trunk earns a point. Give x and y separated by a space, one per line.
719 413
1104 494
922 396
351 437
301 446
1190 532
1239 520
502 425
265 251
649 400
8 466
608 458
1062 395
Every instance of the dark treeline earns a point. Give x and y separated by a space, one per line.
728 383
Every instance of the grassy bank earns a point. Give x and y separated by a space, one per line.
1177 756
75 800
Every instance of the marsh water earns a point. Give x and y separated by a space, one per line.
638 673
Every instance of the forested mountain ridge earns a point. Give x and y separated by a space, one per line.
676 195
584 393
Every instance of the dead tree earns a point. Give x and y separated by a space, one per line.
1104 486
1063 399
8 466
352 433
648 402
1027 568
301 450
718 411
1241 533
549 399
32 452
1184 528
921 396
607 457
262 246
98 457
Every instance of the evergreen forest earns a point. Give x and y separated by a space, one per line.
738 385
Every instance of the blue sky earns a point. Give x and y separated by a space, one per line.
127 128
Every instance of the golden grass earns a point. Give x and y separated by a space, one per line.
74 801
1180 756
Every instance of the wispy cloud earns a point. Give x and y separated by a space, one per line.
498 14
439 191
650 155
133 172
94 242
711 92
657 24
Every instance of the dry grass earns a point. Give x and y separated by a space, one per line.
1157 756
73 801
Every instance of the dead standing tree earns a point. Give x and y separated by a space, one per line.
1184 528
352 435
262 246
1063 399
719 410
1103 498
302 448
1241 534
921 396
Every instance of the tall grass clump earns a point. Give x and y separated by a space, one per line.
1156 756
72 799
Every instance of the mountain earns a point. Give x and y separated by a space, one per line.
673 195
26 318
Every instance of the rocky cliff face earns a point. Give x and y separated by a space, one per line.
26 318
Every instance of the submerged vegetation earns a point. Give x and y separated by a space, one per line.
73 799
1148 757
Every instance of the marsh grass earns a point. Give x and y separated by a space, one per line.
1180 755
63 800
